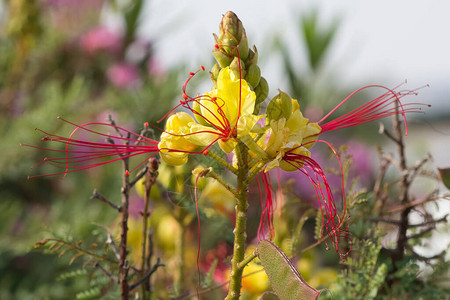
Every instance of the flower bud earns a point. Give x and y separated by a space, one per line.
252 58
222 58
232 36
279 107
232 40
214 74
235 65
262 90
253 75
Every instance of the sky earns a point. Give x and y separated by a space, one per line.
383 42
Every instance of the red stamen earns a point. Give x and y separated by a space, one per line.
80 154
267 207
385 105
335 224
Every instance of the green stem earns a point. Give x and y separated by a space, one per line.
247 260
255 172
223 162
214 175
240 230
144 240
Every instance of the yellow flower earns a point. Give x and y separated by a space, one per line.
227 112
294 135
174 147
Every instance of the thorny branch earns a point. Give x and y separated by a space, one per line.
408 175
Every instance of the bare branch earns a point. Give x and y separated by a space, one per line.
147 275
96 195
113 277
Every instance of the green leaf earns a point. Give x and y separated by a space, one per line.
284 278
268 296
445 177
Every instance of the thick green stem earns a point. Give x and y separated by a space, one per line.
240 230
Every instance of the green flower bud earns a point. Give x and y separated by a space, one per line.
279 107
232 40
234 66
243 47
252 58
214 74
253 75
222 57
231 29
256 109
262 90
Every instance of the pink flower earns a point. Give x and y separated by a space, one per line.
124 75
101 39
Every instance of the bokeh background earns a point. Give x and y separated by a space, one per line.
88 59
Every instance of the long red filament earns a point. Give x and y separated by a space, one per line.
385 105
316 175
75 159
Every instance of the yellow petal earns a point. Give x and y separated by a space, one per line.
201 135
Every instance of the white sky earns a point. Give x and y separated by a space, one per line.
380 41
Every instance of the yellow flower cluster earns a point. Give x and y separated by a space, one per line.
294 135
225 115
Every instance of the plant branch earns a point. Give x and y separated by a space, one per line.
113 277
123 262
240 230
150 180
139 176
96 195
247 260
223 162
147 275
214 175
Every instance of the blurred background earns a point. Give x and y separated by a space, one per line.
88 59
